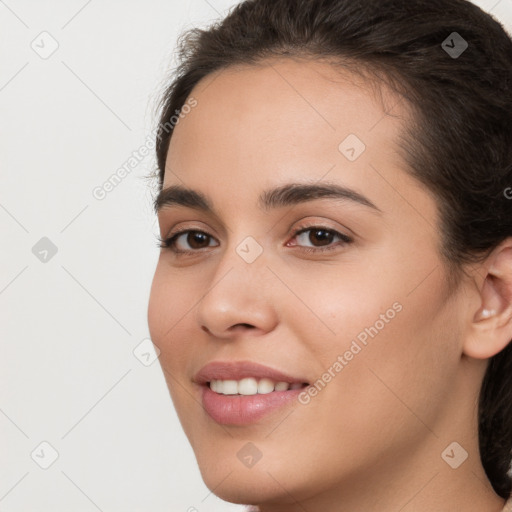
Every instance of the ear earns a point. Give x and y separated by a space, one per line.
491 327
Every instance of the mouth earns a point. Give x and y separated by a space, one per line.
243 393
252 386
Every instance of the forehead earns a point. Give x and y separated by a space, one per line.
257 126
285 109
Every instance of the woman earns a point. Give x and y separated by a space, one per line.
333 297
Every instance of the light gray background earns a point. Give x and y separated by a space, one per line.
70 325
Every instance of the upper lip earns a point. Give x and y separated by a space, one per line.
236 370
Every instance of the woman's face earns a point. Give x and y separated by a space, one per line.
356 302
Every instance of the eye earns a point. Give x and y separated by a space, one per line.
320 238
194 238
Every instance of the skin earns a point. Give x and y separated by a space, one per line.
372 439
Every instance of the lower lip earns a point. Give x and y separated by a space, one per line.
244 409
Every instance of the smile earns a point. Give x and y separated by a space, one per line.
242 393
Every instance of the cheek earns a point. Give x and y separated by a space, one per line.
171 302
398 349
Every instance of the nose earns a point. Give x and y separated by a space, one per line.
240 299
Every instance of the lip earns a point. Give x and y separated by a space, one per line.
243 409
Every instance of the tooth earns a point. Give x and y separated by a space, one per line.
229 387
281 386
265 386
248 386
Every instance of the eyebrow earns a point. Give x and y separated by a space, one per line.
285 195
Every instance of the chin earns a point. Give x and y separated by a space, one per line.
244 486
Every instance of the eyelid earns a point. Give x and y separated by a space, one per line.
169 242
190 226
319 226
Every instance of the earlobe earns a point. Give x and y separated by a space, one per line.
491 327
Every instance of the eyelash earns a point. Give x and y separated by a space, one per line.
170 242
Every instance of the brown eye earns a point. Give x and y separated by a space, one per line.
197 239
319 238
187 241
